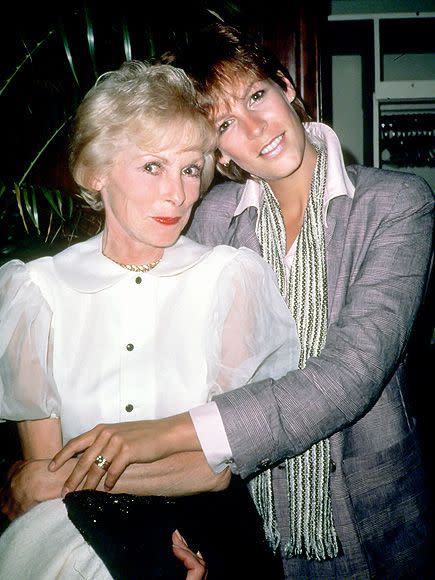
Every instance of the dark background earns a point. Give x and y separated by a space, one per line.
57 51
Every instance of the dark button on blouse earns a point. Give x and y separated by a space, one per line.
130 346
129 408
138 280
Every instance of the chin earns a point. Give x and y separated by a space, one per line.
167 241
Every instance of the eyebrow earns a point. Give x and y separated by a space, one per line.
196 159
143 158
246 92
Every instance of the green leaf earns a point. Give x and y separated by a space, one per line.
40 152
152 49
68 54
30 205
26 200
54 198
34 215
91 39
20 206
56 233
49 227
25 59
215 14
70 209
126 38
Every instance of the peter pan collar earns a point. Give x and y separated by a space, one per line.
83 267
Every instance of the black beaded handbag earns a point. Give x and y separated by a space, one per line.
132 534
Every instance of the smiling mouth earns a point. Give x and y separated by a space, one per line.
272 145
167 221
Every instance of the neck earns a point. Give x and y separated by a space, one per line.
293 191
128 251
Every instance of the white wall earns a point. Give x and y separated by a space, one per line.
347 116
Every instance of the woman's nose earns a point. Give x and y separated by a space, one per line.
254 125
174 191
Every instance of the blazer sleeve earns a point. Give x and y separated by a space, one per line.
273 419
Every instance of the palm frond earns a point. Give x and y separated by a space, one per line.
27 58
41 151
72 39
68 54
55 200
215 14
126 39
17 191
91 39
31 206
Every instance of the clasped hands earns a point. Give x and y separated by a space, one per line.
107 449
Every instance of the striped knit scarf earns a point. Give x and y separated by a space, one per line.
312 532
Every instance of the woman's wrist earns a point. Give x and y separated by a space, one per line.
180 434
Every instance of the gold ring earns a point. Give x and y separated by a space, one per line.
102 462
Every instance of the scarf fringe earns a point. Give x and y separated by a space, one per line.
262 494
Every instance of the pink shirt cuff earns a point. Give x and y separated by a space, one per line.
211 434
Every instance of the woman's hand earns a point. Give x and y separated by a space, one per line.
194 563
121 444
11 504
29 483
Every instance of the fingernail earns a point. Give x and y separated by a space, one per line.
65 490
51 466
198 553
180 537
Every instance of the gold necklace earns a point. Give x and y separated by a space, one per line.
136 267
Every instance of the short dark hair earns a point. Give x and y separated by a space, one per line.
214 57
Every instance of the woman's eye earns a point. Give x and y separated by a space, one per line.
257 96
152 167
223 127
192 171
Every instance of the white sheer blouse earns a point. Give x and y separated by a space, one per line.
87 341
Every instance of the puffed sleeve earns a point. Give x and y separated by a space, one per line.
255 336
27 387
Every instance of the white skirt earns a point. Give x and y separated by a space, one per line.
43 544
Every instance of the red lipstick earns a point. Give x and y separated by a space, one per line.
167 221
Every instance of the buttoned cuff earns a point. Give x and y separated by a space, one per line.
212 437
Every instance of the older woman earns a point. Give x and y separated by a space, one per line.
139 304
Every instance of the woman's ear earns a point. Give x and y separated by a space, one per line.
223 160
96 183
290 91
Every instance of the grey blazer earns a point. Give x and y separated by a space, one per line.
378 250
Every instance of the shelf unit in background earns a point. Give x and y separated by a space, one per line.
403 100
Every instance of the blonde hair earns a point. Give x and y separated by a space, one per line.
154 104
